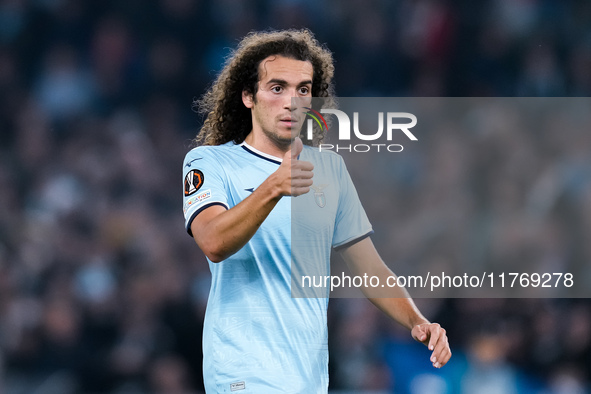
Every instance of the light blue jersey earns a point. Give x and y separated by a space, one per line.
257 338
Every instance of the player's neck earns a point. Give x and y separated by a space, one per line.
266 145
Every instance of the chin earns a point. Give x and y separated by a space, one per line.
286 136
282 137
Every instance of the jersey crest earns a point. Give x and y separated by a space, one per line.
319 196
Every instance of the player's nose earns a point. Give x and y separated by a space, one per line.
289 102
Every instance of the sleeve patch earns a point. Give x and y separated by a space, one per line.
193 181
205 195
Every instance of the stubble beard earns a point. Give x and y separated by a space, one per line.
281 142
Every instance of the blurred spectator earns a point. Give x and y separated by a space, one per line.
64 90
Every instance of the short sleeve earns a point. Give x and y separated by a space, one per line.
352 224
204 184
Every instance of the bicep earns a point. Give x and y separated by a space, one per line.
363 260
199 225
362 256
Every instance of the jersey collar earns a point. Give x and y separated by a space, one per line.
260 154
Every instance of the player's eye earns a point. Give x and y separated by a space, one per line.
304 90
276 89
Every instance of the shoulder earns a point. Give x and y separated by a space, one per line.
212 149
325 156
209 152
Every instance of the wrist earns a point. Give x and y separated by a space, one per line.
272 188
418 321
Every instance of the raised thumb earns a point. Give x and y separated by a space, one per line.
296 148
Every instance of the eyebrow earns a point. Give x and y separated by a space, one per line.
284 82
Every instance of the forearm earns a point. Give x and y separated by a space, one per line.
362 259
403 310
393 301
221 233
227 232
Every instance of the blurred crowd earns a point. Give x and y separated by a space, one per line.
492 185
102 290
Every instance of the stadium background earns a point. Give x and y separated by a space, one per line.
102 291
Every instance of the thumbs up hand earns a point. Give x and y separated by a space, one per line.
294 176
296 148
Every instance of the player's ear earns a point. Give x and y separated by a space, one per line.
247 99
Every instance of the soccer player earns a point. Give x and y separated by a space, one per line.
239 186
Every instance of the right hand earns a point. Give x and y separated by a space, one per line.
295 176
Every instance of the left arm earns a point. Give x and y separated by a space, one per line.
363 258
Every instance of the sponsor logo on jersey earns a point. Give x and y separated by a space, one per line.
193 181
189 164
205 195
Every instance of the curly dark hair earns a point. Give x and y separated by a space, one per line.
227 117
